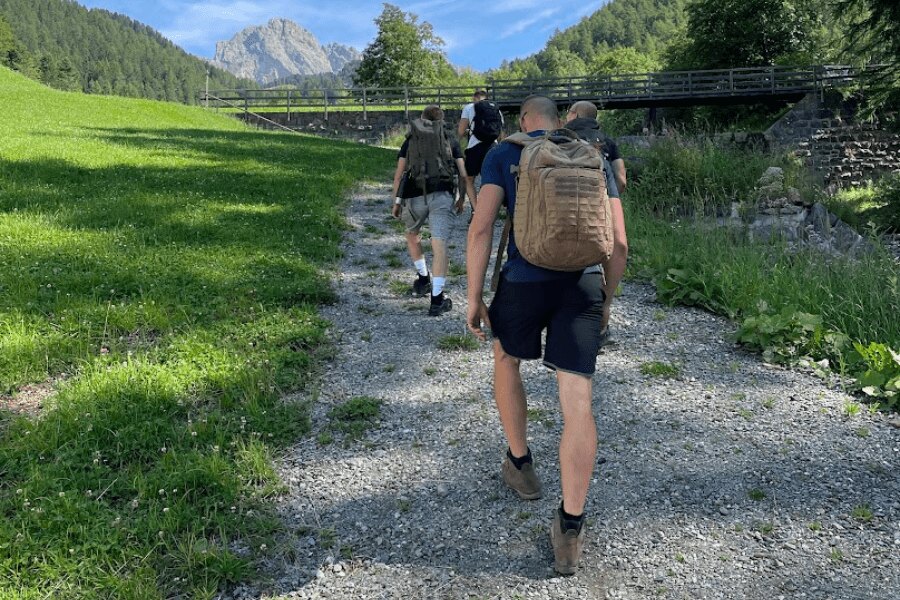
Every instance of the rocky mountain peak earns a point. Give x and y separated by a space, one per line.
278 49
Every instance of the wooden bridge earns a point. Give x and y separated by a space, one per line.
644 90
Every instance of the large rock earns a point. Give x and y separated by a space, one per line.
279 49
781 214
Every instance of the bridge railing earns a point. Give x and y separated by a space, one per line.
619 88
349 99
765 80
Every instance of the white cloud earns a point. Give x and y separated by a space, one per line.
505 6
523 24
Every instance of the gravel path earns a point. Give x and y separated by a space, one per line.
732 479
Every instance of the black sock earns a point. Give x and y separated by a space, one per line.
570 521
520 461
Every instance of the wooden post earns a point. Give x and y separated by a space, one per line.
772 74
365 106
325 101
246 105
289 106
406 101
690 83
731 80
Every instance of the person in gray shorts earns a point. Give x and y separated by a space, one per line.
438 208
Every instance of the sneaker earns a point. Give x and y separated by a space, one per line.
567 546
440 307
422 285
522 481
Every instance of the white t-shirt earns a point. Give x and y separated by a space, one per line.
468 112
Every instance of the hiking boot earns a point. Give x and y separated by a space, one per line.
422 285
567 546
439 305
522 481
605 339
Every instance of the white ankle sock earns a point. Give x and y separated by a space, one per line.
421 268
437 285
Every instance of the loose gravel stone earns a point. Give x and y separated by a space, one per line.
731 479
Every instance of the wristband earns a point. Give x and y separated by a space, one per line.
397 200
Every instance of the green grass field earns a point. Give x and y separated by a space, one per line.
160 269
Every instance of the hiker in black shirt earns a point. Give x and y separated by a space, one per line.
582 119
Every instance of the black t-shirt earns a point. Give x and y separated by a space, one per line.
411 189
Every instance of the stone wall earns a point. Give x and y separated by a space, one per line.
349 126
842 150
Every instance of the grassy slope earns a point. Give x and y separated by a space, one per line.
165 263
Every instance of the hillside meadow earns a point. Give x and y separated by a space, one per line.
160 271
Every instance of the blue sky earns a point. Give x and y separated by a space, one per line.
476 34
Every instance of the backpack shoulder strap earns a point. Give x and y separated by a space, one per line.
520 139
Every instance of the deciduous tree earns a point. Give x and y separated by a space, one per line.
747 33
405 52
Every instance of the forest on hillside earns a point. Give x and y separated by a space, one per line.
69 47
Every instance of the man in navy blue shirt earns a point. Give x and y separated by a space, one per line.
529 300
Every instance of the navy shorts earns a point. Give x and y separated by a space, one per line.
571 311
475 157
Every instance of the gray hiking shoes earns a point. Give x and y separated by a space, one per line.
522 481
567 545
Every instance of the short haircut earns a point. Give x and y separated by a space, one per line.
584 109
433 112
480 94
538 105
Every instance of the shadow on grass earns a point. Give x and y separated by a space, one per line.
178 289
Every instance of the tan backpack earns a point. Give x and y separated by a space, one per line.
562 217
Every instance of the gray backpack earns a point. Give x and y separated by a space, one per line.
429 158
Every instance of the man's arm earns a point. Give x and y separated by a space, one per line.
398 176
478 253
462 128
618 168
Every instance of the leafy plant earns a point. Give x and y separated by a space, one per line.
783 337
877 372
682 286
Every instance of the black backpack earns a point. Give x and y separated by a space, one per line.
488 123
